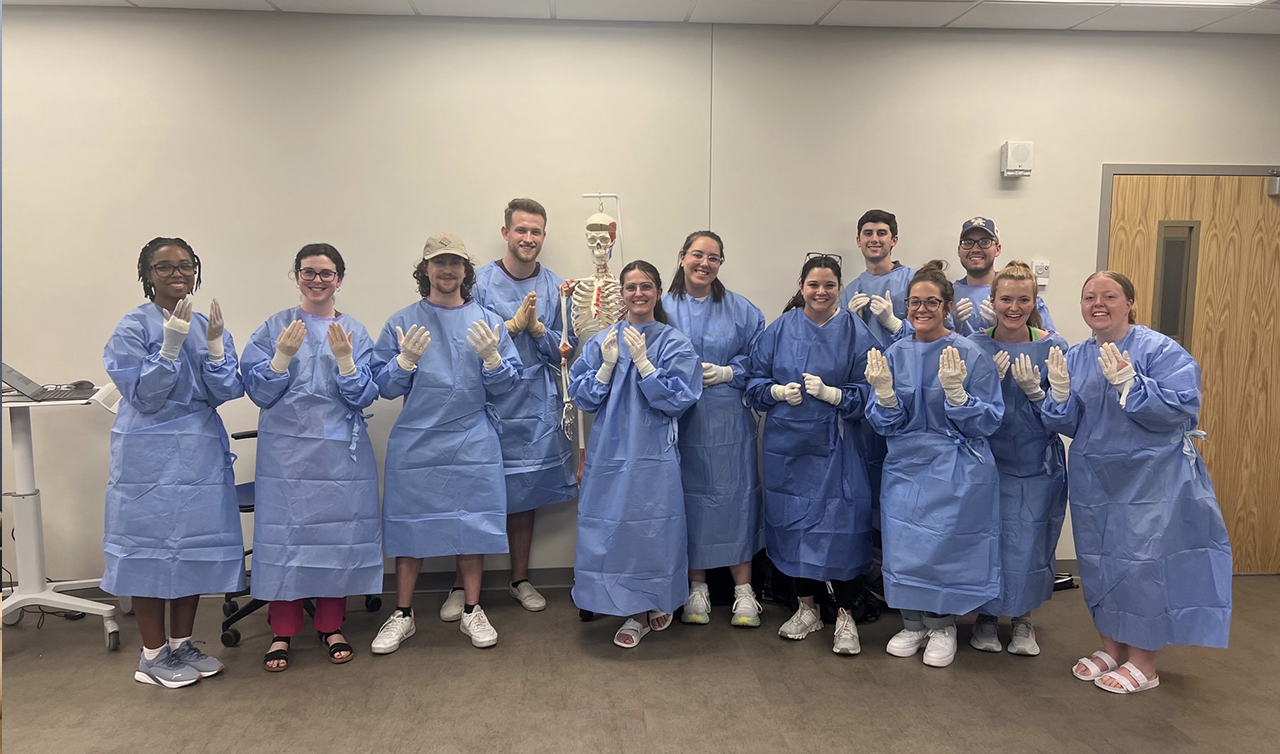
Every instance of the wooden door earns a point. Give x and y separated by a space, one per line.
1234 334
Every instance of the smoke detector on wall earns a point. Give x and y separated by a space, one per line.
1015 159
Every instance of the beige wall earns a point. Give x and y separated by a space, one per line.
253 134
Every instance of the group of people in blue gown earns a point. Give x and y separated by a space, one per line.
904 414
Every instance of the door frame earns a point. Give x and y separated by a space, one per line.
1111 169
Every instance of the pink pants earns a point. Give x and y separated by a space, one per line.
286 617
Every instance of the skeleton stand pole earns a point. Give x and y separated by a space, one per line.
564 380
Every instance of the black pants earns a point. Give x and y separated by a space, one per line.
844 591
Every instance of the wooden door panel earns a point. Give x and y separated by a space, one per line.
1235 336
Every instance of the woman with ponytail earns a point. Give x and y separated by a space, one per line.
1030 458
806 372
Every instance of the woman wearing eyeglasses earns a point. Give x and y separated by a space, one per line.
317 528
718 434
172 529
1030 458
806 372
937 399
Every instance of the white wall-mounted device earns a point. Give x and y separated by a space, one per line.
1041 271
1015 159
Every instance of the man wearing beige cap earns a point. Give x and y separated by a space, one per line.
443 492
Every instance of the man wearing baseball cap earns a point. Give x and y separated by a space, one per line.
979 246
443 492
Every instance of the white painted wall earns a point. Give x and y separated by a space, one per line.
252 134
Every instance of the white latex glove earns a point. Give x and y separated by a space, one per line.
714 374
639 351
176 327
790 392
412 345
485 342
214 334
1118 369
1059 380
1027 375
287 345
1002 363
961 311
882 307
813 385
951 374
858 303
608 356
881 379
340 344
987 311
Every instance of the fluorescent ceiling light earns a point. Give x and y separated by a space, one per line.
1179 3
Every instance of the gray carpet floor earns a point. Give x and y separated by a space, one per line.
556 684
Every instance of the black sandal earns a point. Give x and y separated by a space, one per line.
336 647
277 654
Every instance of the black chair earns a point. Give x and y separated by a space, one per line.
231 609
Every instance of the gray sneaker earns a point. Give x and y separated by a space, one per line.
985 637
166 670
203 663
1024 638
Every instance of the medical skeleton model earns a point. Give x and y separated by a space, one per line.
596 306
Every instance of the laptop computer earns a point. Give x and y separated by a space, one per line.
32 390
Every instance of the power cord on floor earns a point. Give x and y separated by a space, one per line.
37 610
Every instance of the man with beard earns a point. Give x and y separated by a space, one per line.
978 249
535 452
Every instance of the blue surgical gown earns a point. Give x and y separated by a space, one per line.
896 282
443 489
536 454
718 435
632 552
317 525
940 503
1152 549
172 524
979 293
817 499
1033 484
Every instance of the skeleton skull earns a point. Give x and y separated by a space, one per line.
602 230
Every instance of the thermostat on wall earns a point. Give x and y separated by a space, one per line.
1015 159
1041 271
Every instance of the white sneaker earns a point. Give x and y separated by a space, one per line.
985 637
846 641
804 622
906 642
451 610
698 608
528 597
476 625
942 647
1024 638
397 628
746 610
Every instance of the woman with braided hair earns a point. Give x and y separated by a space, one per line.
172 530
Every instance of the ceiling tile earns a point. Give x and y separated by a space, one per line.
1256 21
623 10
116 3
370 7
1156 18
990 15
206 4
760 11
485 8
895 13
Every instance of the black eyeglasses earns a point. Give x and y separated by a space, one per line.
820 254
981 243
165 269
928 304
327 276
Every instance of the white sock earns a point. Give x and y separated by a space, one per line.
697 585
743 589
151 654
175 643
